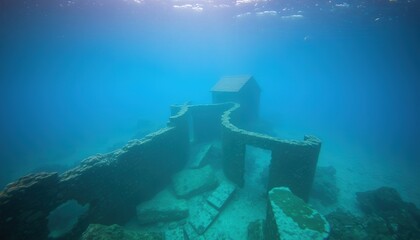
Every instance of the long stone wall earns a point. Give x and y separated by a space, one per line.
112 184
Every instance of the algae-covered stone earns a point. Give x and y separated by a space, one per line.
102 232
290 218
190 182
164 207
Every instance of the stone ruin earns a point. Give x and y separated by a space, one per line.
113 185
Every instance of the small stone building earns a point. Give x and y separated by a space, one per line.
239 89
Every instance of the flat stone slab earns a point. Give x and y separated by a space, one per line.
222 194
164 207
190 182
290 218
203 218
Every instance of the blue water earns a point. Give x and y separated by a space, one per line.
81 77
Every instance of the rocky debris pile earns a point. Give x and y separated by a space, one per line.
190 182
402 219
112 232
325 186
289 218
164 207
345 226
387 217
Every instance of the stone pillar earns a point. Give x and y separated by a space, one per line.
233 150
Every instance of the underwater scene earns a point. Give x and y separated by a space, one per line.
209 119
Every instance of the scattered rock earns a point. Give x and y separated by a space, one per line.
380 201
289 218
396 218
345 226
221 195
102 232
190 182
325 186
164 207
387 217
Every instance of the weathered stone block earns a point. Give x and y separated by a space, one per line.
203 218
221 195
290 218
164 207
190 182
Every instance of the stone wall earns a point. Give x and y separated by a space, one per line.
112 184
293 163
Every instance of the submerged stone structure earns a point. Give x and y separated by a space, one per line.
113 184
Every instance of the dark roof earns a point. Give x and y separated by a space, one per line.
231 83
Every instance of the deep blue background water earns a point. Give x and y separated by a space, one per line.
81 77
